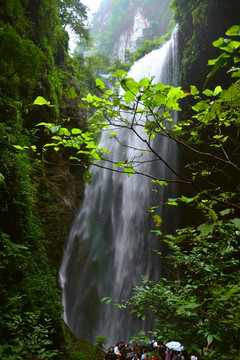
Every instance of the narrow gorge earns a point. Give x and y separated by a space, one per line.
110 244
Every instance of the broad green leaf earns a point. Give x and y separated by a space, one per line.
19 147
226 212
159 99
144 82
129 171
76 131
209 339
206 228
129 96
107 93
124 107
218 64
119 73
89 98
208 92
180 238
95 155
217 90
55 129
91 145
194 90
100 84
233 31
172 202
213 215
192 306
235 72
236 222
87 176
200 106
174 93
41 101
62 131
187 199
226 44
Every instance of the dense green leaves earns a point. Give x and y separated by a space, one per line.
74 14
34 61
202 305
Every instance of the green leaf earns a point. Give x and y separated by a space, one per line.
236 222
48 125
206 229
180 238
19 147
89 98
233 31
107 93
41 101
129 96
187 199
160 182
213 215
208 92
194 90
104 299
226 44
226 212
76 131
119 73
144 82
218 64
172 202
74 158
100 84
217 90
192 306
129 171
209 339
124 107
62 131
95 155
87 176
55 129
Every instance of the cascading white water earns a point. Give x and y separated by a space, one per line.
110 243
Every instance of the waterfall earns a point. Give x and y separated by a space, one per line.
110 243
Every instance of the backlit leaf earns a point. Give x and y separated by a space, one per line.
41 101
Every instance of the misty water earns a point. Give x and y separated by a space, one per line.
110 245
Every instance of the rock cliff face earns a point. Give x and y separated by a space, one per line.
128 38
124 24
